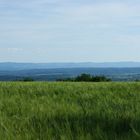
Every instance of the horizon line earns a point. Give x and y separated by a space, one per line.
71 62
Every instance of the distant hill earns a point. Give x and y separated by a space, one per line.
116 74
27 66
117 71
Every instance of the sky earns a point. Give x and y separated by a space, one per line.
69 30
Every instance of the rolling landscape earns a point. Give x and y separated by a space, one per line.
117 71
69 70
69 110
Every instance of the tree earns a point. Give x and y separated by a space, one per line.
27 79
87 78
84 77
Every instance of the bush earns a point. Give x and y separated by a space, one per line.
87 78
84 77
27 79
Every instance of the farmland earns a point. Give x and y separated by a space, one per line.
69 111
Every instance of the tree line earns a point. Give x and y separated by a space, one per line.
86 78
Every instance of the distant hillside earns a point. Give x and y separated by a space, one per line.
27 66
117 71
116 74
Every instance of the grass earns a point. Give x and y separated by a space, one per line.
69 111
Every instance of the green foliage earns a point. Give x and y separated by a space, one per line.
69 111
137 80
87 78
84 77
27 79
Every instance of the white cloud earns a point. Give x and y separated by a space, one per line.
14 49
11 49
101 12
128 40
69 24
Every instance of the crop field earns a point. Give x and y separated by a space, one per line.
69 111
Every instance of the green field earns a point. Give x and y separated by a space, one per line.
69 111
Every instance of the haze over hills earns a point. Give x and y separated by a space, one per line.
11 66
117 71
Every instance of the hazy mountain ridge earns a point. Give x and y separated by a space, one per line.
116 74
26 66
117 71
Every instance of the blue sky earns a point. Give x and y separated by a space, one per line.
69 30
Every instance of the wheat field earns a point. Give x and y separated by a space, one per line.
69 111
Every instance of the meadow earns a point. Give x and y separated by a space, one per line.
69 111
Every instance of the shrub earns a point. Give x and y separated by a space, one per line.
87 78
27 79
